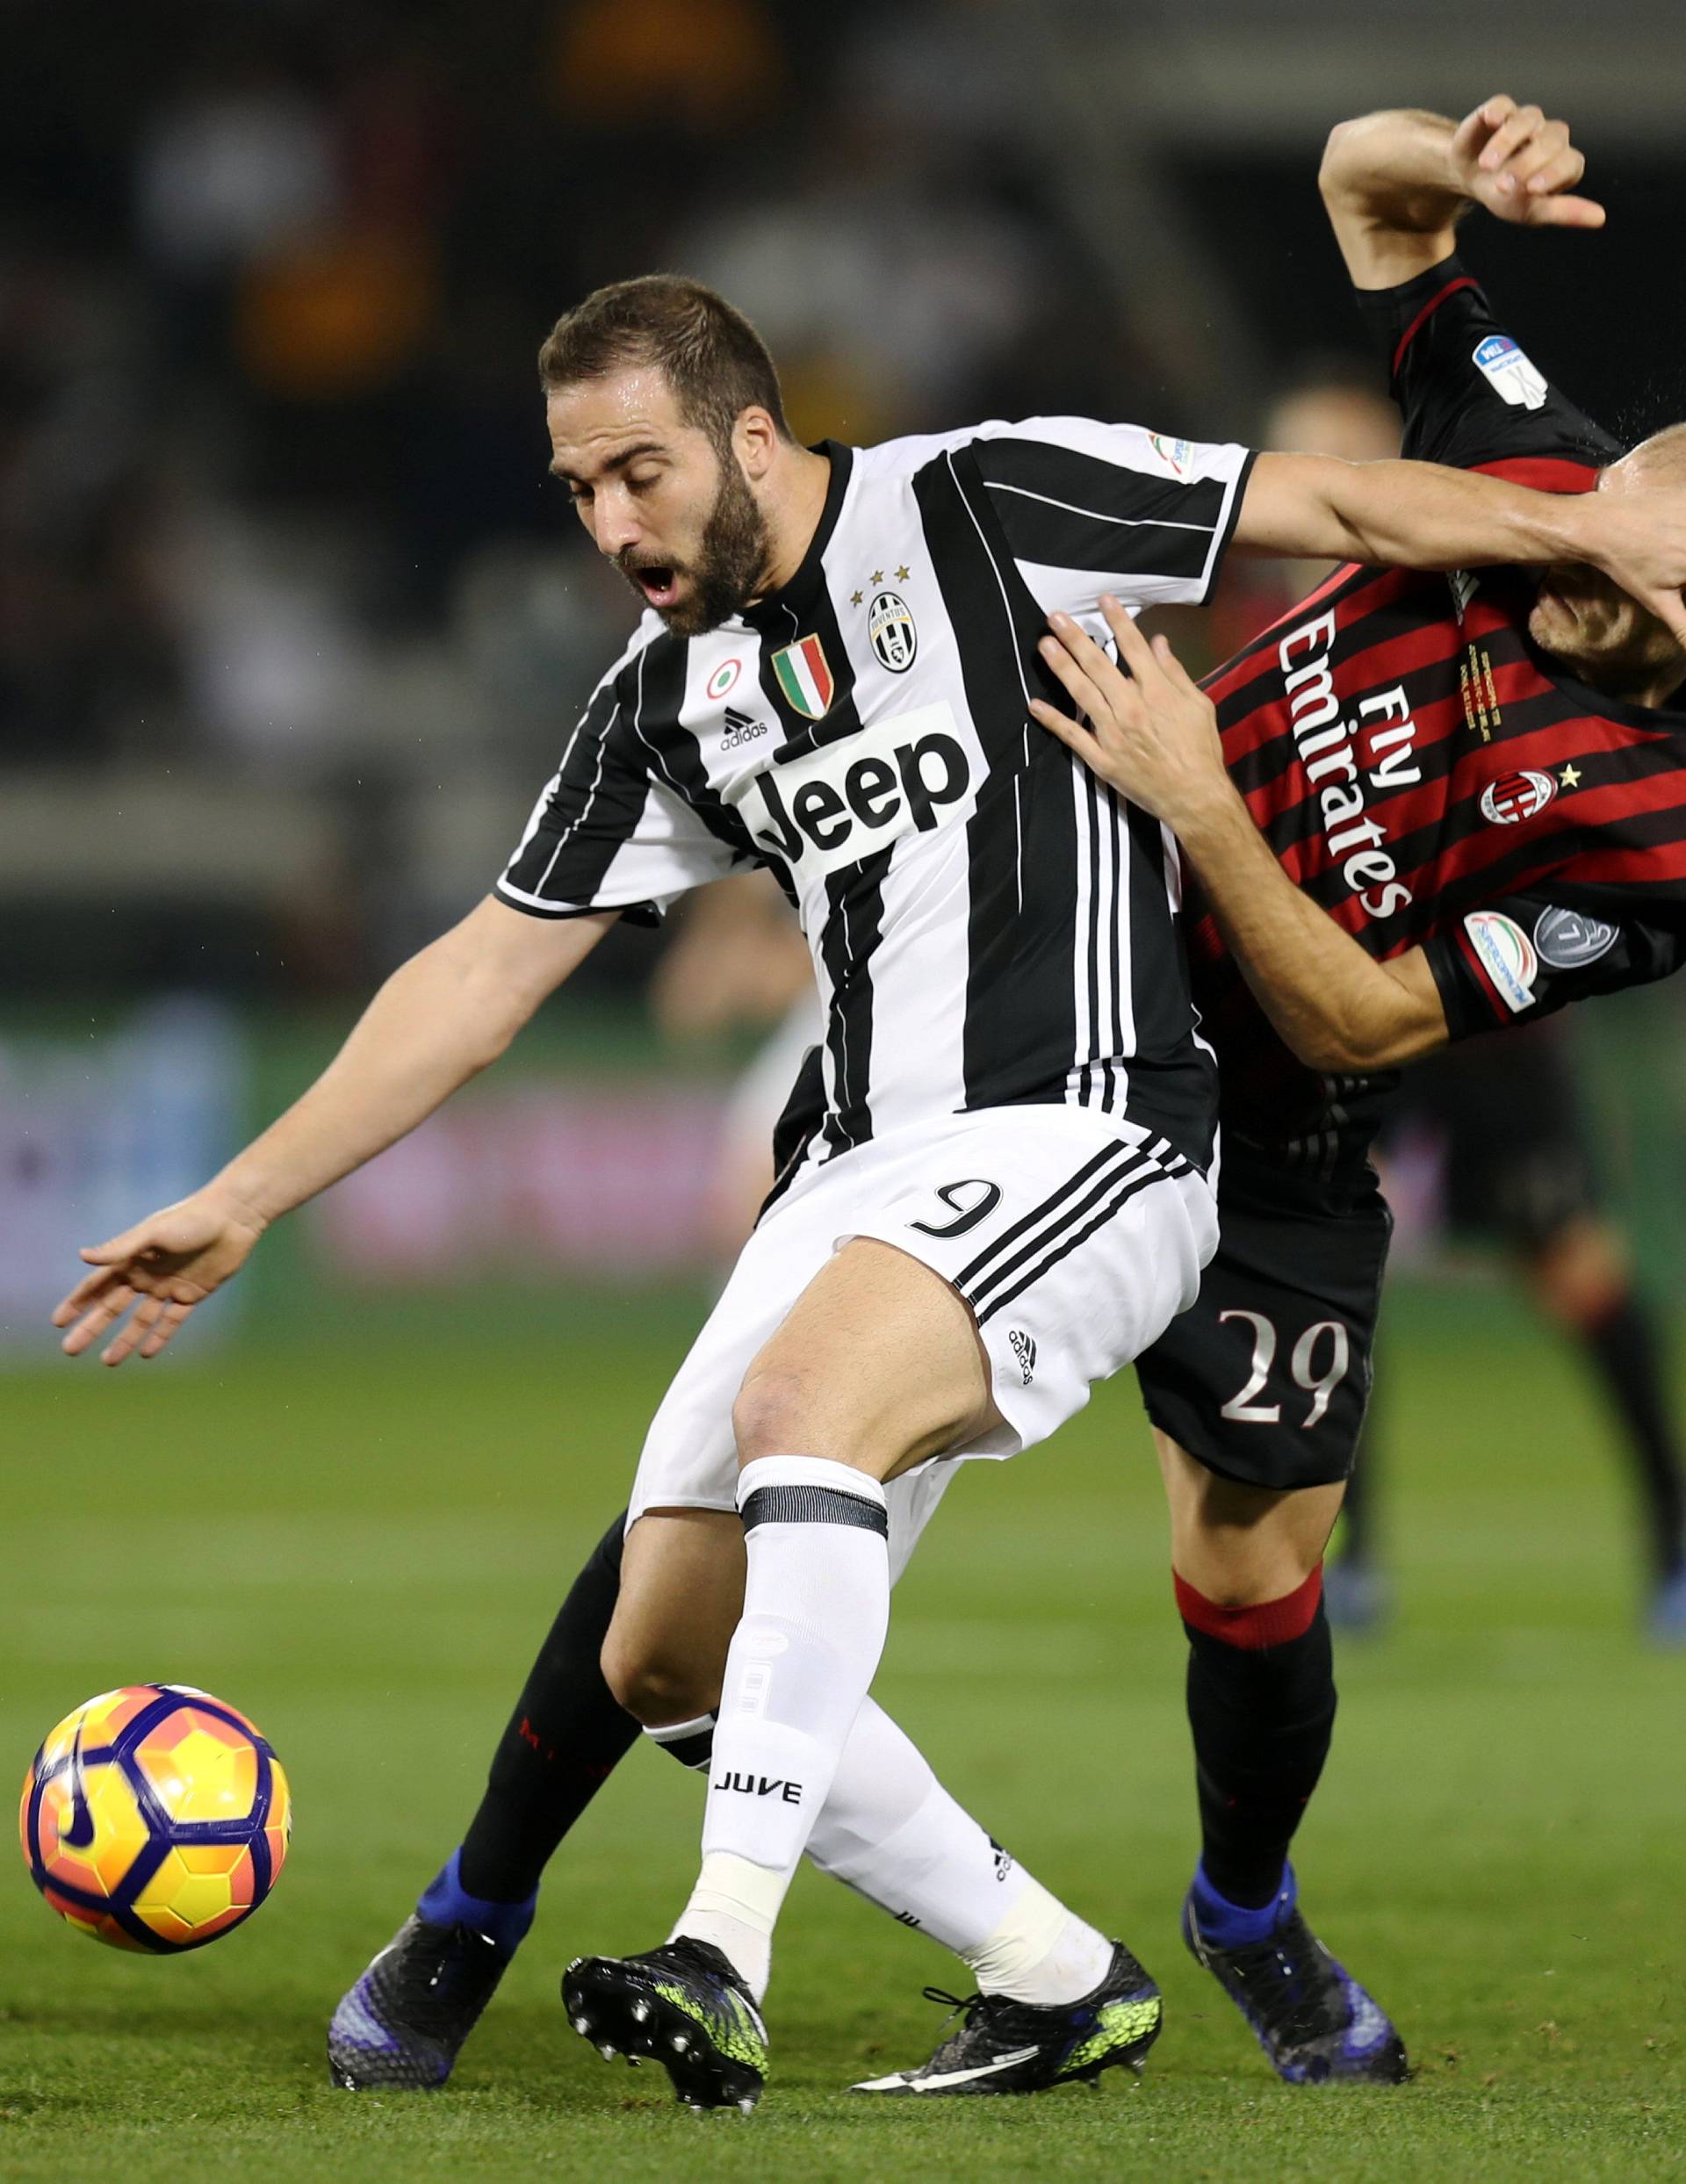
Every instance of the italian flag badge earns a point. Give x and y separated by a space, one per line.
804 678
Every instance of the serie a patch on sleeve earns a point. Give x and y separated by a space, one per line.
1506 955
1509 372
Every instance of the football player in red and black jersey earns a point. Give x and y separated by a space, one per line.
1415 808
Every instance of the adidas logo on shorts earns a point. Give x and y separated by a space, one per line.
1025 1350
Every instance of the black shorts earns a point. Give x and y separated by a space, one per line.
1265 1377
1508 1115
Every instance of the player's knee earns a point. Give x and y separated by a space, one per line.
653 1686
774 1416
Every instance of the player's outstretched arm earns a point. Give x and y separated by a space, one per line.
1153 735
1396 184
439 1019
1423 515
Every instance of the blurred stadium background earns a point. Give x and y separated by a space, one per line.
291 624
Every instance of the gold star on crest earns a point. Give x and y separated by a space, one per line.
901 576
855 598
1570 777
877 577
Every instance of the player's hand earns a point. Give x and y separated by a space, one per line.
1639 539
1152 734
1522 167
163 1266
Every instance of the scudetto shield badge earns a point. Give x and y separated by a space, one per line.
804 676
890 624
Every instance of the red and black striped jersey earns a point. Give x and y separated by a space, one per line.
1428 774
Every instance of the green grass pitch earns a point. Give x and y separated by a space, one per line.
361 1545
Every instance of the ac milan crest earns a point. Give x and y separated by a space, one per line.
1517 796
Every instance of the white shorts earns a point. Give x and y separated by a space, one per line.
1075 1238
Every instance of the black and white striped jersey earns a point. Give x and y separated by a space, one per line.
990 925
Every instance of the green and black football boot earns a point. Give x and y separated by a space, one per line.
682 2005
1003 2046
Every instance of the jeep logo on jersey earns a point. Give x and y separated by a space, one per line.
890 624
911 774
1517 796
1569 942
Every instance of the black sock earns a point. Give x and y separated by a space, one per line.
1262 1717
1623 1347
565 1739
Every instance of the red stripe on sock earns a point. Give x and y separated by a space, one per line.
1270 1623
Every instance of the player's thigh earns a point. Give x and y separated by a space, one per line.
1241 1544
689 1459
681 1593
876 1365
1265 1381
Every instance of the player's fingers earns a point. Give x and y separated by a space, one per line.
1070 732
94 1322
1537 153
1078 643
1567 211
1174 670
1561 171
1508 138
125 1339
77 1299
1670 610
160 1329
129 1245
1077 684
1474 129
1133 647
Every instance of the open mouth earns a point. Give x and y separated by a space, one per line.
659 583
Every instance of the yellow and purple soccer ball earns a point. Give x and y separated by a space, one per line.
155 1818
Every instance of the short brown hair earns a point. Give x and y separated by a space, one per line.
711 355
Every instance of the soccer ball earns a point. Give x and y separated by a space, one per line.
155 1818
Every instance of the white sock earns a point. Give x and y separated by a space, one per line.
892 1831
1040 1953
734 1904
816 1611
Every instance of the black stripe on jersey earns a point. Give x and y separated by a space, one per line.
1020 1032
603 766
1080 512
855 898
797 1125
854 918
674 752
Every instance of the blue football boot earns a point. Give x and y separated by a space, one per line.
1317 2025
403 2025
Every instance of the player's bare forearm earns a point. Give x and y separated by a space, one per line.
1332 1005
1392 192
440 1018
1396 184
1423 515
1152 734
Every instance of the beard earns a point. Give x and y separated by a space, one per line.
731 559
